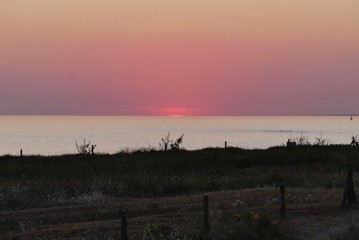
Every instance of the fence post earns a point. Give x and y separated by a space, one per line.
225 144
20 152
349 197
282 201
92 149
205 216
124 227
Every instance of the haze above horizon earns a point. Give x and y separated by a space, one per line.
179 57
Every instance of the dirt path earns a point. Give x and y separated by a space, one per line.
311 214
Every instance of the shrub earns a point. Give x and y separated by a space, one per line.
8 225
247 226
166 141
320 141
303 140
165 232
85 147
157 232
176 144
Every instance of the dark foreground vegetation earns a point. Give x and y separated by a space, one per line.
38 181
45 182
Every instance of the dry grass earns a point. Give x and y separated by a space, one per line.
81 197
311 214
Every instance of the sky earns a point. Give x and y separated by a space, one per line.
179 57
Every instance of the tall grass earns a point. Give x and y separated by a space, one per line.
37 181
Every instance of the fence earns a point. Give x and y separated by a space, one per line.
206 218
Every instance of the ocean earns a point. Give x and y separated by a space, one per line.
56 135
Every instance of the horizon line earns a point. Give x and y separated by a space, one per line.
194 115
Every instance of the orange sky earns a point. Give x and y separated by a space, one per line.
191 57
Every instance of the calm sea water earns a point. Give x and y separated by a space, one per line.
53 135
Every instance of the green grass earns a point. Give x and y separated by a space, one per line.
38 181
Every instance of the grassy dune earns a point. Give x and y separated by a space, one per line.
37 181
52 183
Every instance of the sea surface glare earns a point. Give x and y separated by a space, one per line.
55 135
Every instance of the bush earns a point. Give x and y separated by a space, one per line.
85 147
320 141
247 226
165 232
303 140
167 142
156 232
8 225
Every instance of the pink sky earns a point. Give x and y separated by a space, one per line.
190 57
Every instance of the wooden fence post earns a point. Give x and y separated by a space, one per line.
206 228
225 144
124 227
20 152
282 201
349 197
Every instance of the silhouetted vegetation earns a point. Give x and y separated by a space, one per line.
354 141
89 186
173 144
249 226
320 141
85 147
37 181
176 144
303 140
